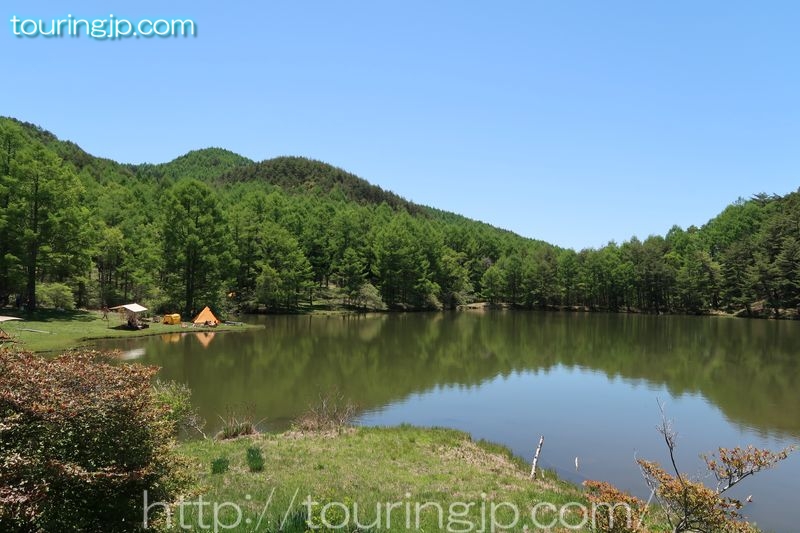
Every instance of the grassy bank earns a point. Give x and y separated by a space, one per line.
366 468
50 330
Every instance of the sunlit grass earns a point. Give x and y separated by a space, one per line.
366 467
51 330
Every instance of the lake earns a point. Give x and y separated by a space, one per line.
589 382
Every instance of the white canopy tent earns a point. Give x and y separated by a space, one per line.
133 308
3 334
131 312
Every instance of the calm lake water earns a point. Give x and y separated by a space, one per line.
590 383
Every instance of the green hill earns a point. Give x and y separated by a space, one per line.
213 227
302 175
206 165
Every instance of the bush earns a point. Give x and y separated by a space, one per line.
255 459
689 505
331 413
220 465
80 440
177 399
614 511
55 295
685 503
369 298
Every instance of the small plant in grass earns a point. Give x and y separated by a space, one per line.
237 425
255 459
331 413
220 465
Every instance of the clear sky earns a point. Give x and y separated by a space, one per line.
576 122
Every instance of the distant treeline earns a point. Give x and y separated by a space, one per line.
212 227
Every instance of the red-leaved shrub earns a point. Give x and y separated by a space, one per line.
80 440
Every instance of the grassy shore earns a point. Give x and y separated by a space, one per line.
50 330
369 468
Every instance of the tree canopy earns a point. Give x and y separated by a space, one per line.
212 227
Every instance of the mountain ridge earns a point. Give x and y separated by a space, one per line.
297 174
274 233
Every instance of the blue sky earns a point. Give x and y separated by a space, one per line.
576 122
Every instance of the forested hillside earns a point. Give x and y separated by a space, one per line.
212 227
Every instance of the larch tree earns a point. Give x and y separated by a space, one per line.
195 254
48 220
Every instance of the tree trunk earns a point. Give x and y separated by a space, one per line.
31 288
33 248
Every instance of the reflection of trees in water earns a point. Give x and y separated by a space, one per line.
748 368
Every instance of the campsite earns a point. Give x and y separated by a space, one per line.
49 330
132 315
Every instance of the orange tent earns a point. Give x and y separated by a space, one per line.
205 317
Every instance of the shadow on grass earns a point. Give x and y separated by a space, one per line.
124 327
46 315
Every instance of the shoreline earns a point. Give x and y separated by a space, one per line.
50 331
758 313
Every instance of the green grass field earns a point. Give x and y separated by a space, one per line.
50 330
368 469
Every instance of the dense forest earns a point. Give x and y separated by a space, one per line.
213 227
